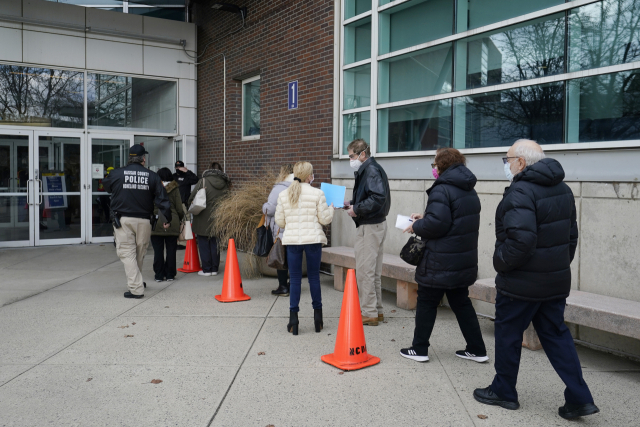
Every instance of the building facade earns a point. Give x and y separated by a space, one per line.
78 86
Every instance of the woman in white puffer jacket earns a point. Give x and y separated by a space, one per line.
302 211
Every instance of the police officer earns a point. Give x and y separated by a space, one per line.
185 179
134 190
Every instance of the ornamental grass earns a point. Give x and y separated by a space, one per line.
237 215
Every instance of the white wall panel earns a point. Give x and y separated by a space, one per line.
113 21
171 29
57 12
187 121
10 44
162 62
187 93
53 49
191 153
112 56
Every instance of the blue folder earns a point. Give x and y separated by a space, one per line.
334 194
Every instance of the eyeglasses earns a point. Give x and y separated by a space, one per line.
351 156
505 160
433 165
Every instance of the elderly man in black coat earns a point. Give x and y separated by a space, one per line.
536 239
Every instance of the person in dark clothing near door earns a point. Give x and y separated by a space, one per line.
161 238
134 192
536 240
185 179
216 184
369 208
450 226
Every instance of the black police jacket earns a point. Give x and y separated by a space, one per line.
185 180
450 226
536 234
134 190
371 196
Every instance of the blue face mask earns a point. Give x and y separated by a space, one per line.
507 171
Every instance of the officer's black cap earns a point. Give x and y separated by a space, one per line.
179 164
137 150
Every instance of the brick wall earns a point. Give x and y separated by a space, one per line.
286 40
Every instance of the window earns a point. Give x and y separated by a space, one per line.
525 51
166 9
251 108
132 103
33 96
432 77
478 13
415 22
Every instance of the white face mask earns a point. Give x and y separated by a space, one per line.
356 163
311 180
507 171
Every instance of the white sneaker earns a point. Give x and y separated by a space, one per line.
215 273
202 273
470 356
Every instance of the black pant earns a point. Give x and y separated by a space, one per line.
164 267
283 277
209 254
512 318
427 309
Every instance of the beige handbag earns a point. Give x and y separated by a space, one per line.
185 231
200 201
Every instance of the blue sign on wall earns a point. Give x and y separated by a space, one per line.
293 95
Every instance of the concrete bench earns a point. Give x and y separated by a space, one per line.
614 315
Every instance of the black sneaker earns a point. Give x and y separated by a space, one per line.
488 397
130 295
282 291
475 357
572 410
157 280
410 353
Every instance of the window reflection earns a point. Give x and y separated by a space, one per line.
604 108
41 97
604 33
526 51
356 126
498 118
131 103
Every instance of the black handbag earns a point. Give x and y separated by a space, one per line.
413 250
264 241
278 256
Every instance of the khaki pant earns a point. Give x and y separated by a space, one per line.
132 240
368 248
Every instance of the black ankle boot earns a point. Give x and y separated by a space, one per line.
293 322
317 319
282 291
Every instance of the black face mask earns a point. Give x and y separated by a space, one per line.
179 172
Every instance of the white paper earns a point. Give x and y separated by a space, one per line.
97 171
403 222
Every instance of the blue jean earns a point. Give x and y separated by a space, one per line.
512 318
294 259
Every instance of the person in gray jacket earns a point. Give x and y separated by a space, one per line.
216 184
284 180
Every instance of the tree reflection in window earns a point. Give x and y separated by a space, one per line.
604 33
109 100
32 96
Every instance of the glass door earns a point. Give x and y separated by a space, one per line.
58 188
107 152
16 189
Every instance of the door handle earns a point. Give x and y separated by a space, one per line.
40 196
28 194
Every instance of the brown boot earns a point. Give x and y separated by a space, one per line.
371 321
380 317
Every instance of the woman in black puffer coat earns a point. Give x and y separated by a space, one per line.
449 265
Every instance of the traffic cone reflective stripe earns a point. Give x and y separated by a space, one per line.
232 282
191 262
350 352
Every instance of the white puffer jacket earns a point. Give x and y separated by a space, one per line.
303 223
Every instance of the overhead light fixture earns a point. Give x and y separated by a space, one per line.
228 7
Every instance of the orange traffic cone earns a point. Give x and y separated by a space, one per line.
191 262
350 352
232 282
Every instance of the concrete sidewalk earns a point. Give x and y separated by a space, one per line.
74 352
